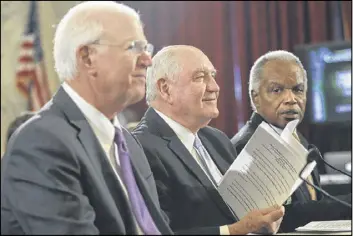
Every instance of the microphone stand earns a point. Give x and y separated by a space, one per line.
317 188
311 146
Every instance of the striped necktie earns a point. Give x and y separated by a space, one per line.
208 165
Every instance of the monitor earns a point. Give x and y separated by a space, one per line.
329 72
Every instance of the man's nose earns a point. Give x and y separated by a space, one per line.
212 86
145 59
289 97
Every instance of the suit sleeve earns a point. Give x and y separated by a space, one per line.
43 185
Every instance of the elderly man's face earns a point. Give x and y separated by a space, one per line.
119 72
195 91
282 94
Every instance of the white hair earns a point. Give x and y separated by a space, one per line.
165 65
256 69
81 26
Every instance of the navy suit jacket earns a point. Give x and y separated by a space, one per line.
302 210
56 178
185 193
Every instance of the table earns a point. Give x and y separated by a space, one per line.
316 233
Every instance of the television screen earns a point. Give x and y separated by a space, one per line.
329 71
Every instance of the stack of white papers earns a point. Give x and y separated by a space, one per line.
266 172
327 226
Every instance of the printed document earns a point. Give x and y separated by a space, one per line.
327 226
266 172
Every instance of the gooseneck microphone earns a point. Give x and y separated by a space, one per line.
312 154
315 157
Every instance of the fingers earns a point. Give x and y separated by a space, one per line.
274 215
275 226
274 219
265 211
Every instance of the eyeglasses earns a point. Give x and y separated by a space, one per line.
137 46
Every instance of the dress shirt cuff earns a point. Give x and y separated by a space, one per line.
224 230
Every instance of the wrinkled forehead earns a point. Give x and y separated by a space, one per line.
121 26
282 72
193 60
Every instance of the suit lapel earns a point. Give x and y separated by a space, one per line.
99 160
85 134
255 120
180 151
143 186
193 167
220 162
96 154
177 147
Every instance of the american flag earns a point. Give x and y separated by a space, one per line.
31 77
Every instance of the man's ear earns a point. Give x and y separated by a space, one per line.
163 87
255 98
84 57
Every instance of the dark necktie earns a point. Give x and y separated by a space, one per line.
138 204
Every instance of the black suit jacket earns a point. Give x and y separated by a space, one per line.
56 178
185 192
302 210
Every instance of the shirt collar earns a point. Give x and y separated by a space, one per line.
279 130
101 125
184 134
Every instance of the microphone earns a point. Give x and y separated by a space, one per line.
315 158
310 158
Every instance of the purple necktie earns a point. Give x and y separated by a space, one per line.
138 204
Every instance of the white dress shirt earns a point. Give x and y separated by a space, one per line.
105 132
188 138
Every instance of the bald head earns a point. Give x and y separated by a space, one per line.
168 64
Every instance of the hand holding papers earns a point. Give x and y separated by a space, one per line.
266 172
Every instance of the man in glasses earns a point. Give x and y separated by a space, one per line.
187 157
73 169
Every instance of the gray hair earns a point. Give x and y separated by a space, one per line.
165 65
78 27
256 69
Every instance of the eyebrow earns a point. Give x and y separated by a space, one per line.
278 84
203 69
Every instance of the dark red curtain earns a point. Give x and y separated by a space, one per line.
346 7
234 34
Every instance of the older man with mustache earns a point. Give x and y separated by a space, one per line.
277 90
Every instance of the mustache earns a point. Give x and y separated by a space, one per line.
290 112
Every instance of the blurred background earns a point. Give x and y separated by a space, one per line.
232 34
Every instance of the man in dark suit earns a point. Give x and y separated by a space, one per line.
187 157
72 169
17 122
277 89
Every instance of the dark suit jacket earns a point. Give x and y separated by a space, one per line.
185 192
302 210
56 178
